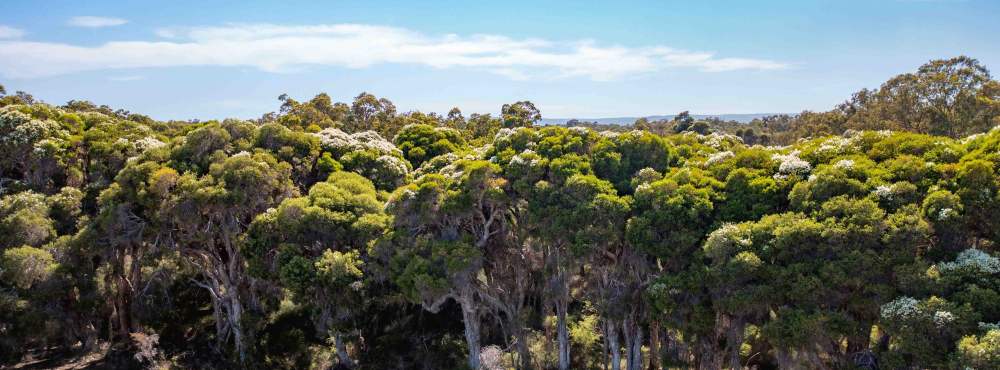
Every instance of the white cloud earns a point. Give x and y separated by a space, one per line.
7 32
95 22
279 48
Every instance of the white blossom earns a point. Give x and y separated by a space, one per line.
837 145
503 134
718 141
335 140
987 326
18 129
945 214
523 158
719 157
635 133
791 164
397 165
903 308
844 164
943 318
973 259
647 175
726 241
883 192
407 194
148 143
357 285
332 138
491 358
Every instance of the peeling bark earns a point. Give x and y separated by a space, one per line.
341 348
562 332
654 345
470 317
611 333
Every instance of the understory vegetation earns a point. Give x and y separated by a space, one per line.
350 235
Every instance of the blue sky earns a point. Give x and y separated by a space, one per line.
215 59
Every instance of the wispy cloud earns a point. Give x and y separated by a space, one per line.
127 78
7 32
95 22
277 48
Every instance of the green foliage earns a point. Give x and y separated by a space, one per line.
980 352
671 219
26 266
24 220
520 114
421 142
272 240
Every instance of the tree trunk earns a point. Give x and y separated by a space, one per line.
611 332
708 356
236 325
521 345
123 309
221 330
632 332
562 333
605 348
90 338
637 351
883 341
734 340
122 296
857 345
342 355
784 359
654 345
860 340
227 309
470 316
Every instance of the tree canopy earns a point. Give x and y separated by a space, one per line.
351 235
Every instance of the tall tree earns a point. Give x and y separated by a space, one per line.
444 223
208 216
519 114
317 247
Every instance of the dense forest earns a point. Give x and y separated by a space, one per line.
350 235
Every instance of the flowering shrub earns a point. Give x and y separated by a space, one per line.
883 192
844 164
719 157
339 142
492 358
973 259
791 164
980 352
720 141
901 309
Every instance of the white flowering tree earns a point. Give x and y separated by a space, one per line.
368 154
921 328
30 148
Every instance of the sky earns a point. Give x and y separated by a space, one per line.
181 59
